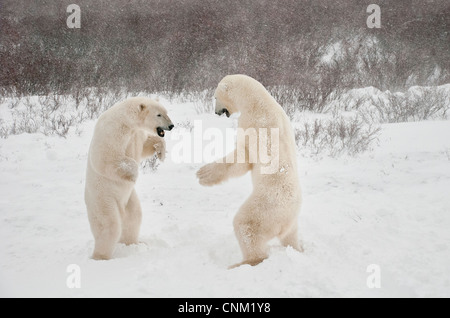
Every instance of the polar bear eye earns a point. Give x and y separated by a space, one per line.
159 115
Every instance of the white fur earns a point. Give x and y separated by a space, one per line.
273 207
124 135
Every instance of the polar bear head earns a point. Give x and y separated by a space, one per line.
151 116
237 92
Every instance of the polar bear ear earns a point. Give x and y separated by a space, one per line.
142 107
224 87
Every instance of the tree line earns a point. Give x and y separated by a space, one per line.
313 46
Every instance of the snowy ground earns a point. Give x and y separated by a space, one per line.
389 207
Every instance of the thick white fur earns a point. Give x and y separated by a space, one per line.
124 135
273 207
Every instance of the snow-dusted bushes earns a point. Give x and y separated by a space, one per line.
349 122
415 105
346 123
203 100
336 136
33 114
150 164
54 114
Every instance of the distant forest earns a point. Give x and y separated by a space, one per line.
189 45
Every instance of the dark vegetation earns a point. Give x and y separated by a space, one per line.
189 45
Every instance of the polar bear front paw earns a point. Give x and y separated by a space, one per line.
160 149
128 169
210 174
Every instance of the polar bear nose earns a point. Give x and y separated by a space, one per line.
171 127
223 110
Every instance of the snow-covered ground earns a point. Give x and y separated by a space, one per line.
381 219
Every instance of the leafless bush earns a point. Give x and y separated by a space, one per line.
50 114
23 123
56 114
336 136
287 97
428 103
4 130
185 125
59 125
346 102
203 101
295 99
13 102
150 164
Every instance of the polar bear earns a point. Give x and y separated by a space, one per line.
124 135
273 207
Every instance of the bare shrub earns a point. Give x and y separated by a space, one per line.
287 97
186 125
59 125
13 102
4 130
336 136
50 114
203 101
346 102
150 164
428 103
392 109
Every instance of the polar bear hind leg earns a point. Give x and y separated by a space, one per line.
253 233
131 220
290 237
106 232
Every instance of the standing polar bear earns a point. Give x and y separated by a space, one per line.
124 135
273 207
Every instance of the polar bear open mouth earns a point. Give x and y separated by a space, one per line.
160 132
